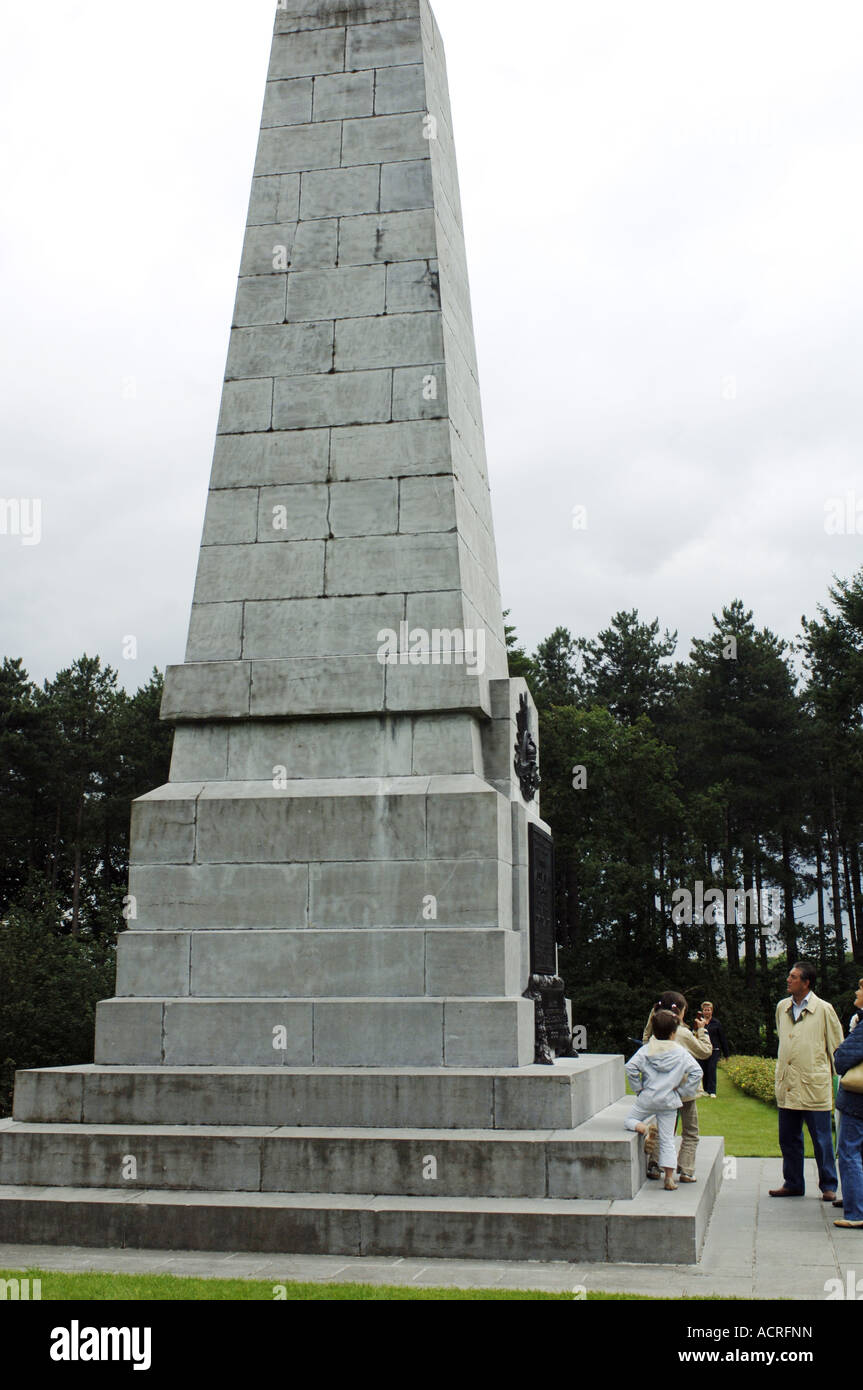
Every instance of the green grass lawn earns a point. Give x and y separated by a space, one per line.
58 1286
749 1127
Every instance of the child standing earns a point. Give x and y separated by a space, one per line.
699 1045
662 1074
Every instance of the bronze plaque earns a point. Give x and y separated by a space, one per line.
543 953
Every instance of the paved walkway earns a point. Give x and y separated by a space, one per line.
756 1247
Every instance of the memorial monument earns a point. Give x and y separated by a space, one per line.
340 965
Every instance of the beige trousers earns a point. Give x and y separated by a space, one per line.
688 1142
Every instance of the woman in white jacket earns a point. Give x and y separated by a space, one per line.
663 1075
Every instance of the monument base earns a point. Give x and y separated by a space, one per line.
493 1163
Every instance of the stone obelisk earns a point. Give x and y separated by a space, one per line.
320 1040
337 861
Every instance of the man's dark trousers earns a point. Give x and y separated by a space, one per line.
791 1143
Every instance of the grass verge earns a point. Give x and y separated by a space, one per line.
60 1286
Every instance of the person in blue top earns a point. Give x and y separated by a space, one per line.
849 1151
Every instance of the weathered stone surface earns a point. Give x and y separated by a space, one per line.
501 1030
347 398
231 517
365 509
464 824
379 1033
236 572
341 192
344 95
387 236
246 406
154 963
376 140
383 564
381 44
407 185
400 89
216 896
297 15
358 747
352 292
275 1032
260 299
294 513
207 690
163 826
420 393
316 686
275 249
280 457
321 51
215 632
200 751
427 504
322 821
413 287
292 349
304 964
531 1098
446 1227
430 686
290 149
319 627
457 959
129 1030
288 102
394 340
446 743
392 450
365 894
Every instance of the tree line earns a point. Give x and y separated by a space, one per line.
73 754
736 769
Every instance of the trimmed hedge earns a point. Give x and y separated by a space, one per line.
755 1076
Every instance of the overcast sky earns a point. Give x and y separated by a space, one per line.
663 217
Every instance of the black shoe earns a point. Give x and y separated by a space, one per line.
839 1203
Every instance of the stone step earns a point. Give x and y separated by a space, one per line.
326 1032
561 1096
651 1228
600 1159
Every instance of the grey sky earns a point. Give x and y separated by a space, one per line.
663 219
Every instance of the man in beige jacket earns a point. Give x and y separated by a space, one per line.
809 1033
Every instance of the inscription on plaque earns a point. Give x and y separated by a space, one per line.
545 988
540 858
